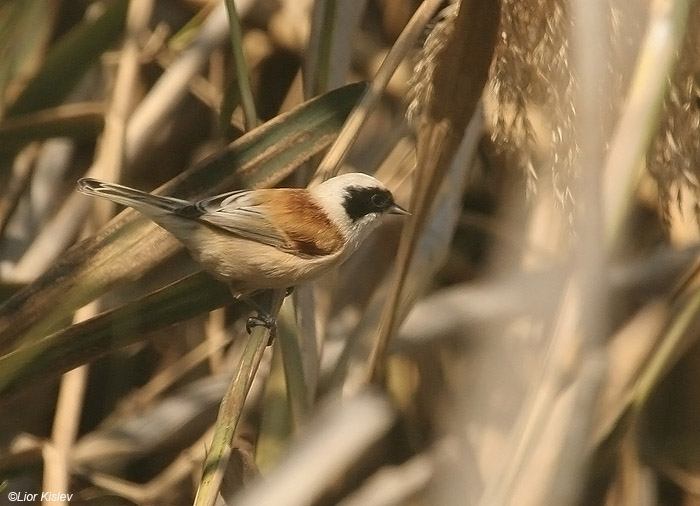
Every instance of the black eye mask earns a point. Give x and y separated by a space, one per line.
360 201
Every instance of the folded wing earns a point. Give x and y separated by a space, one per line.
243 214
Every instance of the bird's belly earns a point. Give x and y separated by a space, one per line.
252 266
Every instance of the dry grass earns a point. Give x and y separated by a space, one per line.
529 337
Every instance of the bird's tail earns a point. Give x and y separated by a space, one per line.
145 202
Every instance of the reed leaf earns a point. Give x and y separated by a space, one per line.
129 245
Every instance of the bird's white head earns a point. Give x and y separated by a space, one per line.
356 202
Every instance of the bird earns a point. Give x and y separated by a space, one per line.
265 239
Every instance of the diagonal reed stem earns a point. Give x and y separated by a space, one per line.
231 409
242 77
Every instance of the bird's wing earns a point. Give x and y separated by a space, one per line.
243 214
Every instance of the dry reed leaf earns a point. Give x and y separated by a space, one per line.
459 75
341 434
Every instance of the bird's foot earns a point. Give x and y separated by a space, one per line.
262 320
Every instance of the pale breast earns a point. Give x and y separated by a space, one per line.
250 266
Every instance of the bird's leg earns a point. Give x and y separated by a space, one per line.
262 319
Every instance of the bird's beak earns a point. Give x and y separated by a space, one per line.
397 209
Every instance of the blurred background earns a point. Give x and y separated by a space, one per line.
527 337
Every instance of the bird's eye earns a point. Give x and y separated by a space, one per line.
378 200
